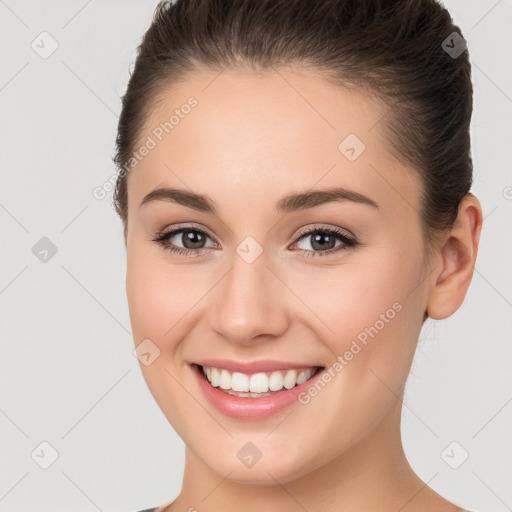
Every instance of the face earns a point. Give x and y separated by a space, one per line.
334 281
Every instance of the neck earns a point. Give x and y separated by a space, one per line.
373 475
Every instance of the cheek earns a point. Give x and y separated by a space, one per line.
153 295
166 301
369 312
158 301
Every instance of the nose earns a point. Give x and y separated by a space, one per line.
250 303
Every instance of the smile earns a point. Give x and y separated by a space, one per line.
256 385
253 396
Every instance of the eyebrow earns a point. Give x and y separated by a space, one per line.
288 204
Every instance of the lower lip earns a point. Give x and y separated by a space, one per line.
250 408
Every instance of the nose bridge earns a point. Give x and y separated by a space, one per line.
247 303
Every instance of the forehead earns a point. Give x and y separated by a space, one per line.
252 134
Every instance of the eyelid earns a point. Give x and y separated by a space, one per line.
192 226
323 227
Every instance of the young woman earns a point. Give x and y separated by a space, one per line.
295 191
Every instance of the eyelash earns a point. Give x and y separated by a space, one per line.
163 237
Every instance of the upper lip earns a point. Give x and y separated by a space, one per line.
250 367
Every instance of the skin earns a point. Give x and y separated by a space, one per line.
252 139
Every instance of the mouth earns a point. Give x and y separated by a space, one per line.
256 385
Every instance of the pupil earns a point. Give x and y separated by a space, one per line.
317 240
192 239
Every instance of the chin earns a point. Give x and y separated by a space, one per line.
263 472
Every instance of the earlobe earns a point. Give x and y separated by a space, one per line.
457 260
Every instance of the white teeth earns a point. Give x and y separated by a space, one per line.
276 381
258 383
239 382
225 379
290 379
302 377
262 382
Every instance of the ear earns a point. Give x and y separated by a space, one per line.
457 260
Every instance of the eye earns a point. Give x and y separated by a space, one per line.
193 240
324 239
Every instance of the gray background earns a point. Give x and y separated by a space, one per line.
68 375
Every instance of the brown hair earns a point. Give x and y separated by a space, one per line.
398 50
